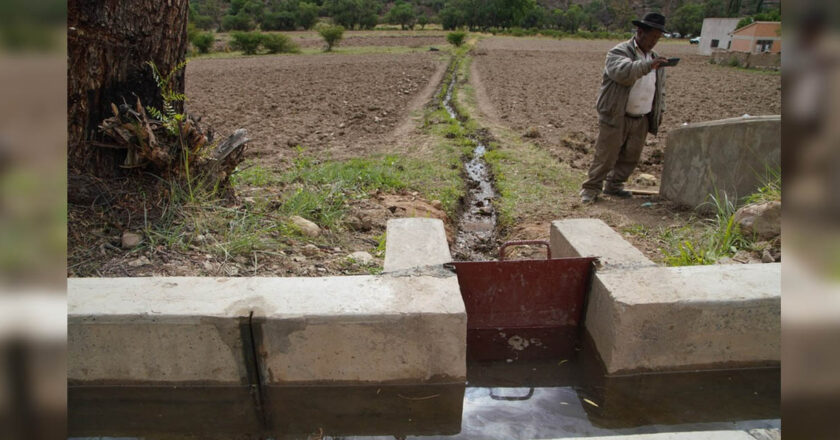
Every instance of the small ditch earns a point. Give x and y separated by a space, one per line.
475 239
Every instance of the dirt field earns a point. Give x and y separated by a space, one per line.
544 90
549 87
337 105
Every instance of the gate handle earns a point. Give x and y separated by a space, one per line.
525 397
525 242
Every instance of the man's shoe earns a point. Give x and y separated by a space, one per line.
620 193
588 199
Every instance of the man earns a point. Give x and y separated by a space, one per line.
630 104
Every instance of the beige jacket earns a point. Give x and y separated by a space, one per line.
623 67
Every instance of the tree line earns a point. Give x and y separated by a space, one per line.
684 16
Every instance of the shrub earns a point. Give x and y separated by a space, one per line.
733 62
456 38
331 35
278 21
203 41
279 43
238 22
247 42
422 21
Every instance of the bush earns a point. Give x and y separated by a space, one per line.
456 38
278 21
203 41
279 43
331 35
238 22
247 42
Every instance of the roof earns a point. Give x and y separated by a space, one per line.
755 23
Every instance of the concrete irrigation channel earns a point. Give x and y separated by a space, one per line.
594 340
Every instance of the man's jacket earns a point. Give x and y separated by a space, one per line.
623 67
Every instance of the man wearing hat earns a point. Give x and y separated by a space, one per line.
630 104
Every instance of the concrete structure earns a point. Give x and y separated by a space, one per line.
593 238
644 318
716 34
304 330
698 435
729 157
415 242
758 37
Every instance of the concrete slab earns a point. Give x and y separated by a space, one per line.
730 156
195 330
593 238
415 242
686 317
699 435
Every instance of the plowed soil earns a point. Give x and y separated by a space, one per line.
548 89
335 104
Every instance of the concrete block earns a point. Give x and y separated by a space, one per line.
368 329
593 238
415 242
678 318
197 330
697 435
730 156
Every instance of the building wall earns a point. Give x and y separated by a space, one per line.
745 39
716 29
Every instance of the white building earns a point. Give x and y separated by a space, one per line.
716 34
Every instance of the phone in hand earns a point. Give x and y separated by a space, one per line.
671 62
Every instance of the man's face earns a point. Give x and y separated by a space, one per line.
647 38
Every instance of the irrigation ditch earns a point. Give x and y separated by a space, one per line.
477 236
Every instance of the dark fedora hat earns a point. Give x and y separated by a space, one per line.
653 20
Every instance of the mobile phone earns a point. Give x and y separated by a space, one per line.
671 62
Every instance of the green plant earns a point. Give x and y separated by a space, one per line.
203 41
170 118
331 35
733 62
279 43
247 42
770 190
456 38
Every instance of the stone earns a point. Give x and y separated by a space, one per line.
415 242
142 261
593 238
361 257
308 228
645 180
767 257
310 250
131 240
727 157
762 220
437 204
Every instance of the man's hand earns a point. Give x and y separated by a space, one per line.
657 62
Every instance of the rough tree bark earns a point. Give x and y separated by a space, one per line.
108 45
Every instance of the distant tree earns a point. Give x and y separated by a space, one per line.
688 19
715 8
452 18
353 13
535 18
307 14
238 22
422 20
572 19
278 21
402 14
331 35
773 15
622 15
596 15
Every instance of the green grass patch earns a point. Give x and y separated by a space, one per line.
770 190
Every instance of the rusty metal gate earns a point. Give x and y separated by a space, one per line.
525 309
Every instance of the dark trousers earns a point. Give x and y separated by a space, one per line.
617 152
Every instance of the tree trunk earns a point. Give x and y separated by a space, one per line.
108 45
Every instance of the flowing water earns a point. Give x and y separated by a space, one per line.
476 238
